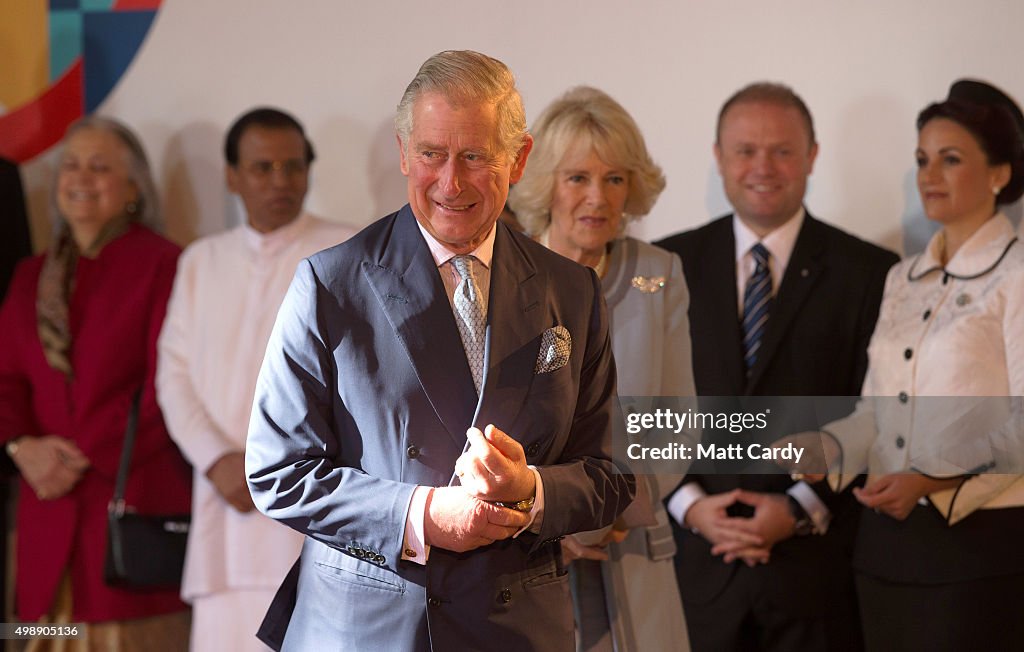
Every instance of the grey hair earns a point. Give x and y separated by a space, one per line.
585 117
461 77
148 205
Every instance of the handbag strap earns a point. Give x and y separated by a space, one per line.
116 504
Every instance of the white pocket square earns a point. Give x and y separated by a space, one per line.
555 347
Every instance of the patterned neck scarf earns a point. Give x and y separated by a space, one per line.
57 282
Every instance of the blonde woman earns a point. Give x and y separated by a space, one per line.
589 175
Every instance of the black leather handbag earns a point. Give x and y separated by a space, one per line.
143 551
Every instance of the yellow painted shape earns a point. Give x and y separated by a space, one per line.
24 51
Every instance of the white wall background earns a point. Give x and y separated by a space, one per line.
865 69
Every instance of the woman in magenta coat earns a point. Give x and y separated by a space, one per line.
79 326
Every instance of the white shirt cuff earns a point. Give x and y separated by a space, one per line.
414 547
537 512
816 510
682 500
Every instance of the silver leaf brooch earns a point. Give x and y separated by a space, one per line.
649 284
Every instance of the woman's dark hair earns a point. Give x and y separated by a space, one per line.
996 131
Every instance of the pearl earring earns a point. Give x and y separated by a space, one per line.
995 190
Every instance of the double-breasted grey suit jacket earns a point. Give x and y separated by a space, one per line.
365 393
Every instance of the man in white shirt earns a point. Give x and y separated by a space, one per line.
781 305
226 295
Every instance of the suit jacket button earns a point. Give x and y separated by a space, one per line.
904 397
532 449
900 442
505 595
412 452
380 559
434 602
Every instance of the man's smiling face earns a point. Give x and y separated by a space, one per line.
458 171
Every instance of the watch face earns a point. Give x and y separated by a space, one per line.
520 506
524 505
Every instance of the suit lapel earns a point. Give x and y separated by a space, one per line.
802 272
515 323
719 306
410 291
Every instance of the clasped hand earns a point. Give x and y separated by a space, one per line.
228 477
51 465
747 539
493 468
896 494
580 546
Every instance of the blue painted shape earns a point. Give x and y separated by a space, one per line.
96 5
65 41
111 40
63 4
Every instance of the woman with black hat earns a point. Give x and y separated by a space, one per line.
937 555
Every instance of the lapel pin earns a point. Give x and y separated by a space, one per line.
649 284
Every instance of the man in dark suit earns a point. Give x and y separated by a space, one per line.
421 534
781 304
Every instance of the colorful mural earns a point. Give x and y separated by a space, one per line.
66 56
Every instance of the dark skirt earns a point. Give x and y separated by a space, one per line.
983 614
923 584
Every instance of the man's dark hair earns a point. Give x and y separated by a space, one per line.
269 118
767 93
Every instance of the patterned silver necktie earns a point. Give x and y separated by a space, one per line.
469 315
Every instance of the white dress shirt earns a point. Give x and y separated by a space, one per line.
779 243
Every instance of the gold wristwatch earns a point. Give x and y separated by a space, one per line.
518 505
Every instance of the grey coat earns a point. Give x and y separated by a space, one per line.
651 341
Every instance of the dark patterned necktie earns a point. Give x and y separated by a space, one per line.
469 315
757 303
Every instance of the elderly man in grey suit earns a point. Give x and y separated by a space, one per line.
435 407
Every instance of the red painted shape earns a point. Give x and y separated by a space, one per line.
35 127
136 5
